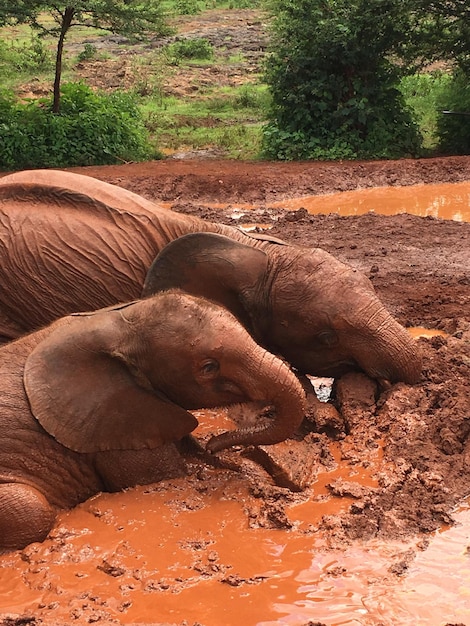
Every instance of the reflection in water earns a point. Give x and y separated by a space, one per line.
446 201
438 581
357 588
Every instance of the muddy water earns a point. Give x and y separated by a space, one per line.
419 331
182 552
173 553
446 201
438 581
177 554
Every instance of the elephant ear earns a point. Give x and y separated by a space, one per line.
211 266
84 394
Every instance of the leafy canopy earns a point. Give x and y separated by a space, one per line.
439 31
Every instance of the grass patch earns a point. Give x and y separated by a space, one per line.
234 141
228 119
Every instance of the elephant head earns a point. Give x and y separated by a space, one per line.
124 378
321 315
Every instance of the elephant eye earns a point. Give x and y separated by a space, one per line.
210 367
327 338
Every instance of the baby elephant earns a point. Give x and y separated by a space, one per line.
99 401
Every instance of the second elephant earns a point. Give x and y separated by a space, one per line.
100 401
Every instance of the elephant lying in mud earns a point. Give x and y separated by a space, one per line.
70 243
99 401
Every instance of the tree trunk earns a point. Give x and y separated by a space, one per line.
66 23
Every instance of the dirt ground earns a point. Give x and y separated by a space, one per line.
414 441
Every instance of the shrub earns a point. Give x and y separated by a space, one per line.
333 96
88 53
190 49
187 7
91 129
421 93
250 97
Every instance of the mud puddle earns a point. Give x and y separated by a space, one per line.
449 201
438 580
446 201
179 553
185 552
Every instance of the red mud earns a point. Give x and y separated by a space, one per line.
229 546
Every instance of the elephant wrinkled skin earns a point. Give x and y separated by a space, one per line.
70 243
100 401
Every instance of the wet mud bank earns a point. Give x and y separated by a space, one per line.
375 492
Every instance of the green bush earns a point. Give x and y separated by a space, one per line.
333 96
251 97
190 49
454 128
187 7
421 93
88 53
91 129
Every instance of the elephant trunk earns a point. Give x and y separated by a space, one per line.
278 386
409 360
393 352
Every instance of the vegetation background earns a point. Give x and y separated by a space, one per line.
105 82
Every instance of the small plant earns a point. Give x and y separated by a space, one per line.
190 49
148 76
37 56
88 53
251 97
24 57
187 7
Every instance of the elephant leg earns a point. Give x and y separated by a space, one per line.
25 516
120 469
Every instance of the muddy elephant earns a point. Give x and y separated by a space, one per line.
326 329
70 243
100 402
